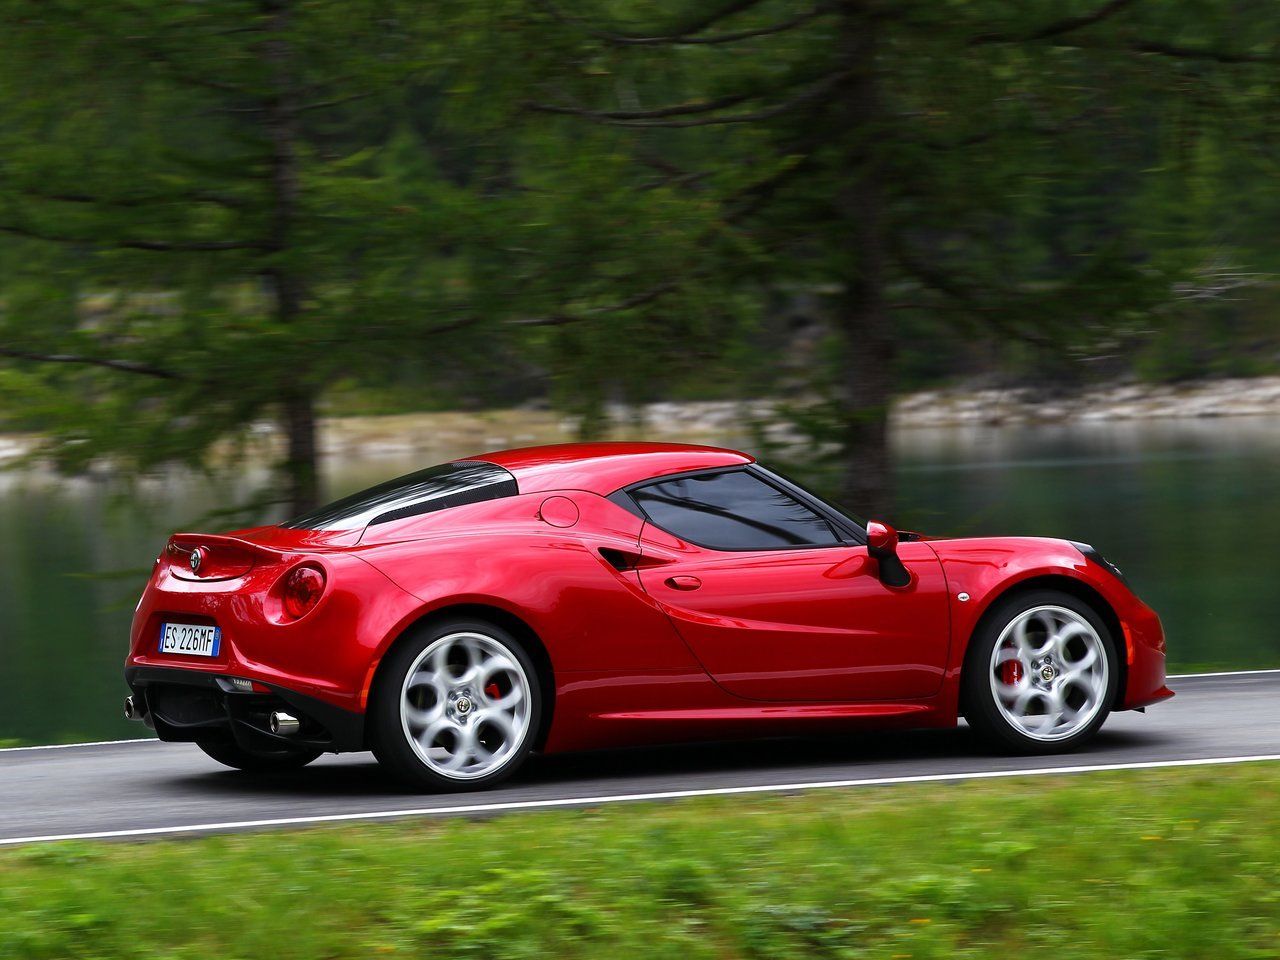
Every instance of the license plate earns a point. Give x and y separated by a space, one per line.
193 639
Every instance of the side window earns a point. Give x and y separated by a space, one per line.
435 488
732 511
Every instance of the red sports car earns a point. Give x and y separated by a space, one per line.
579 596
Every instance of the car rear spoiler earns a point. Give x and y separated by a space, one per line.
184 543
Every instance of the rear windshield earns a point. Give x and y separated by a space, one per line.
429 490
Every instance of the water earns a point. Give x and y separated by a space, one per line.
1189 510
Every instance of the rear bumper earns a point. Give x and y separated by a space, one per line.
189 705
327 655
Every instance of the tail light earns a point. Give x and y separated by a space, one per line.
302 589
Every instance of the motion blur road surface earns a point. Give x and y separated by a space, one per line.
148 788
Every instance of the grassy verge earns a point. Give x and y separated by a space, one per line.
1160 863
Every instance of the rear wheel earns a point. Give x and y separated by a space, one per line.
227 751
455 706
1041 673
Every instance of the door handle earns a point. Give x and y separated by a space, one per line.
683 583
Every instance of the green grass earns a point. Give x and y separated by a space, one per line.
1144 864
1264 662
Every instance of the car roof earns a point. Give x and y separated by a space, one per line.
606 466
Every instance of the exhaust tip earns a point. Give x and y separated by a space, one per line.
131 711
284 724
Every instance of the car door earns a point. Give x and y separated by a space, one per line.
777 599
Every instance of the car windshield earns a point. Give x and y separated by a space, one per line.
426 491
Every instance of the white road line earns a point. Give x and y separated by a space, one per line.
1224 673
524 805
68 746
111 743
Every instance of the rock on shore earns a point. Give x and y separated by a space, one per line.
1205 398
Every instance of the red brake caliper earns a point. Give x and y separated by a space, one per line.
491 691
1010 672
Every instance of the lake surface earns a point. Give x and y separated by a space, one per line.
1190 510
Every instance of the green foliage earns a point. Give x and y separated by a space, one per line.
1139 864
222 208
225 213
1041 179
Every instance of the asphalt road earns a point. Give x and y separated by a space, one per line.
137 789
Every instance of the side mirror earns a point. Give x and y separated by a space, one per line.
882 546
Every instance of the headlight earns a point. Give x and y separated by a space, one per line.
1090 553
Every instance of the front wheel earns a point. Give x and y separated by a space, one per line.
455 706
228 752
1041 673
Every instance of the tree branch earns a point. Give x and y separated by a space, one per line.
755 195
1057 28
719 12
676 110
336 101
1172 50
192 246
636 300
940 282
450 326
687 36
1193 53
638 120
132 202
126 366
1110 9
163 246
162 57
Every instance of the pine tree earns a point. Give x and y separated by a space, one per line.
241 202
988 167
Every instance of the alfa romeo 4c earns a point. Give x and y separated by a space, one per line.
583 596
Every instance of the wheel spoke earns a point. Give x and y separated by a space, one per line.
1082 667
1049 624
438 662
428 735
1049 722
1010 693
419 718
492 666
1024 699
510 700
1006 654
506 723
1057 706
1026 649
466 745
429 680
456 761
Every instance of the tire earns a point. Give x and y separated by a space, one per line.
455 705
1040 674
227 751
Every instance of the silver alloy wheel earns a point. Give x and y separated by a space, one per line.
465 705
1049 673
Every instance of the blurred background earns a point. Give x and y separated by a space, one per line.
966 265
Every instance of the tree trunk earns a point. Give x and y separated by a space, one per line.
280 119
863 321
300 458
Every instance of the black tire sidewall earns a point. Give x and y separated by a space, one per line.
980 708
386 732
